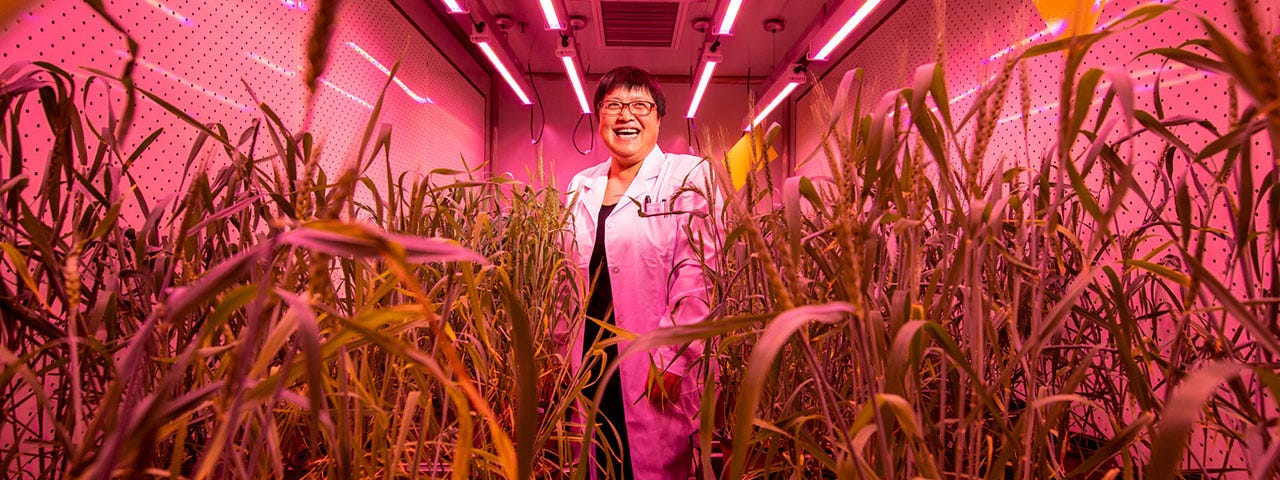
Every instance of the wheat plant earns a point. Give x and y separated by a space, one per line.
927 309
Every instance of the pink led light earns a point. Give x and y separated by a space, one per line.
171 13
843 33
387 72
774 104
296 4
549 11
454 6
703 80
571 69
502 69
730 15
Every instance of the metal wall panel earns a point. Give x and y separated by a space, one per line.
204 57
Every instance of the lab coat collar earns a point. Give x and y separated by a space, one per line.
648 174
650 167
594 186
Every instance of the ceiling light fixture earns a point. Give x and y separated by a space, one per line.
569 56
778 91
837 30
818 43
551 11
726 17
706 68
453 6
498 55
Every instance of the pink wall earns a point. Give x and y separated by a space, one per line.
719 124
196 54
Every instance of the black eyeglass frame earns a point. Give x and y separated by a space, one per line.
628 106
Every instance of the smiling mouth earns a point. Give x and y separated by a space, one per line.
626 133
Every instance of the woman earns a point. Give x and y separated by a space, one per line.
642 226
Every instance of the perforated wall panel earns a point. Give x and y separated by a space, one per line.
204 57
979 33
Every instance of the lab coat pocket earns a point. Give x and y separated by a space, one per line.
658 230
658 267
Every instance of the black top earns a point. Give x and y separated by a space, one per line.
600 306
611 421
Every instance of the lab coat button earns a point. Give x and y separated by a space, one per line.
614 269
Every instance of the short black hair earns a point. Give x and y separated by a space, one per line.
629 77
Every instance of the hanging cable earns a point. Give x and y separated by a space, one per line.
688 130
574 135
693 139
688 124
773 58
535 138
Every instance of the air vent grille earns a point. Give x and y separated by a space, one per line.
639 24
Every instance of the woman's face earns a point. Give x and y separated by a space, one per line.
629 137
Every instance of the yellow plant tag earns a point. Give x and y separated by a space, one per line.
741 159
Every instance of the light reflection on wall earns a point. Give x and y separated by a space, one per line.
323 81
180 80
386 71
1053 30
1138 88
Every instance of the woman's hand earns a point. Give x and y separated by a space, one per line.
665 390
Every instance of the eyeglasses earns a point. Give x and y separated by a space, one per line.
638 108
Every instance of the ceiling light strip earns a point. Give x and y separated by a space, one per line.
708 68
454 7
730 15
553 17
777 99
575 77
849 25
502 69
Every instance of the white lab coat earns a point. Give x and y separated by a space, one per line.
657 282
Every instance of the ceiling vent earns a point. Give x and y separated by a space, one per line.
639 24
